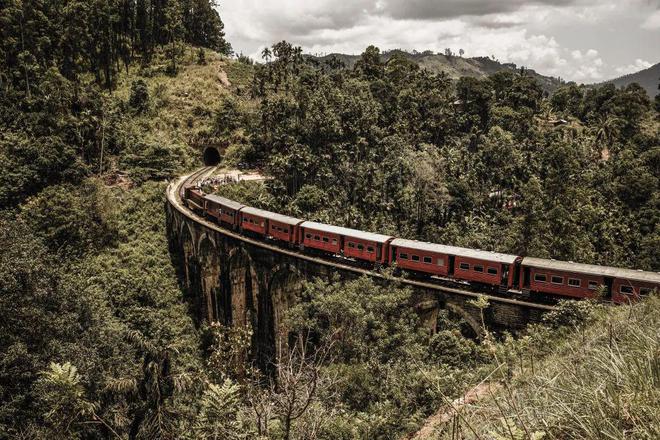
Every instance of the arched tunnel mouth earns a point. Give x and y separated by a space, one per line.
211 156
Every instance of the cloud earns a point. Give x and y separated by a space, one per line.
434 9
638 65
567 38
652 21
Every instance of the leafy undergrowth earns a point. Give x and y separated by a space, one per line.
601 380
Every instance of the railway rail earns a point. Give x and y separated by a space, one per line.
175 198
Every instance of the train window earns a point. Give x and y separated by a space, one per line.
478 268
540 278
645 291
351 244
403 256
428 260
593 285
263 224
285 230
464 266
441 261
492 271
557 280
308 236
360 247
245 219
370 249
317 238
574 282
626 290
326 240
415 257
334 241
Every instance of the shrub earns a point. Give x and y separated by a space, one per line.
139 99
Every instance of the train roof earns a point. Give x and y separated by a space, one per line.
592 269
280 218
224 202
453 250
348 232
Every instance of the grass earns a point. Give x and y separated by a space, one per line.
602 381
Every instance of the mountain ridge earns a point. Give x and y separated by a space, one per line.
454 65
647 78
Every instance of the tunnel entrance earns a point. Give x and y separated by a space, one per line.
211 156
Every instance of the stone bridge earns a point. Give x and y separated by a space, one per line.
235 280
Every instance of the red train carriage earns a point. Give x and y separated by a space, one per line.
365 246
577 280
266 223
194 198
252 219
223 210
450 261
630 285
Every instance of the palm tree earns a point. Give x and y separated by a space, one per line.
266 54
607 131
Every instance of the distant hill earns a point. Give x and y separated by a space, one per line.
455 66
647 78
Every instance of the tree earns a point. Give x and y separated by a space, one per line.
461 52
218 417
139 99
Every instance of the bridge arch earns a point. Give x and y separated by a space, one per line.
210 304
242 287
474 324
283 292
188 247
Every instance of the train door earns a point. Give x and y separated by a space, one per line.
505 275
451 265
516 275
526 277
608 288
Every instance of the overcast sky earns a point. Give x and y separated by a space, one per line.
580 40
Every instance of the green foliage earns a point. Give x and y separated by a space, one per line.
61 393
218 416
598 380
571 314
72 220
81 36
139 99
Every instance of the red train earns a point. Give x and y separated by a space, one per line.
505 273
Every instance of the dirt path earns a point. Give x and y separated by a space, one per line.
447 412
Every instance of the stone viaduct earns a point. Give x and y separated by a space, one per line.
236 280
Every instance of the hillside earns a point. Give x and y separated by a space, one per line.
599 380
455 66
647 78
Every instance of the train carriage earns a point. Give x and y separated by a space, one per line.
562 278
365 246
272 224
223 210
194 198
450 261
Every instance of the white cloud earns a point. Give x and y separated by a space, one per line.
652 21
638 65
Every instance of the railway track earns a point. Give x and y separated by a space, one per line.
175 198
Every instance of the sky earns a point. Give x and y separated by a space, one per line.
578 40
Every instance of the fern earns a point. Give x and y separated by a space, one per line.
218 416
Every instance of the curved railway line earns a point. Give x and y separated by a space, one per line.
174 197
